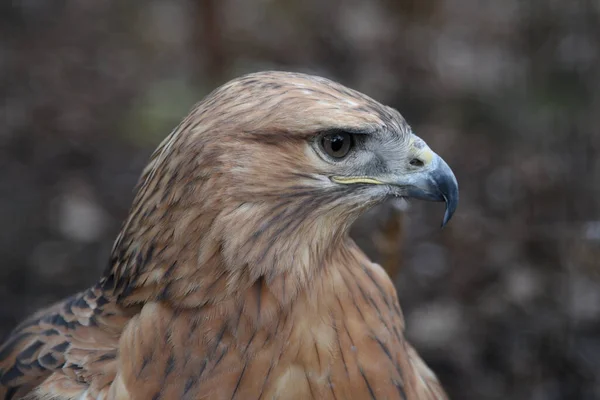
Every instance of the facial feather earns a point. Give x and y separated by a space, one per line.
236 188
233 275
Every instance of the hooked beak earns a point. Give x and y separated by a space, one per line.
436 182
432 180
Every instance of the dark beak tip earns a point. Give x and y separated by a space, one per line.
451 204
447 217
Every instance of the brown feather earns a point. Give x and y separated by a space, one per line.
233 276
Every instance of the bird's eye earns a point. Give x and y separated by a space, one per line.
337 145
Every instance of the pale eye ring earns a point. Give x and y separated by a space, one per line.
337 145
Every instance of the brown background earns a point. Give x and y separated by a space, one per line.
503 304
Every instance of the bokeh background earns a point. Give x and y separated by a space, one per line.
503 304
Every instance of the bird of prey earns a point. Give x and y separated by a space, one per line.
234 276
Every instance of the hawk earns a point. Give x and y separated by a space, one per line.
234 276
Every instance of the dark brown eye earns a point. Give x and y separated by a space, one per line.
337 145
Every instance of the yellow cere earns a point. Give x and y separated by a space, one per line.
421 150
426 155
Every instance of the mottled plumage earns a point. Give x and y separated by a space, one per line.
234 276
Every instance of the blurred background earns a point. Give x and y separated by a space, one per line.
504 303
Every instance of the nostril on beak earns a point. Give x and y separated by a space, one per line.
415 162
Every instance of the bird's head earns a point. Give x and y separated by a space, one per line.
268 172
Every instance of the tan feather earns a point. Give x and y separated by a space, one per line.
233 275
